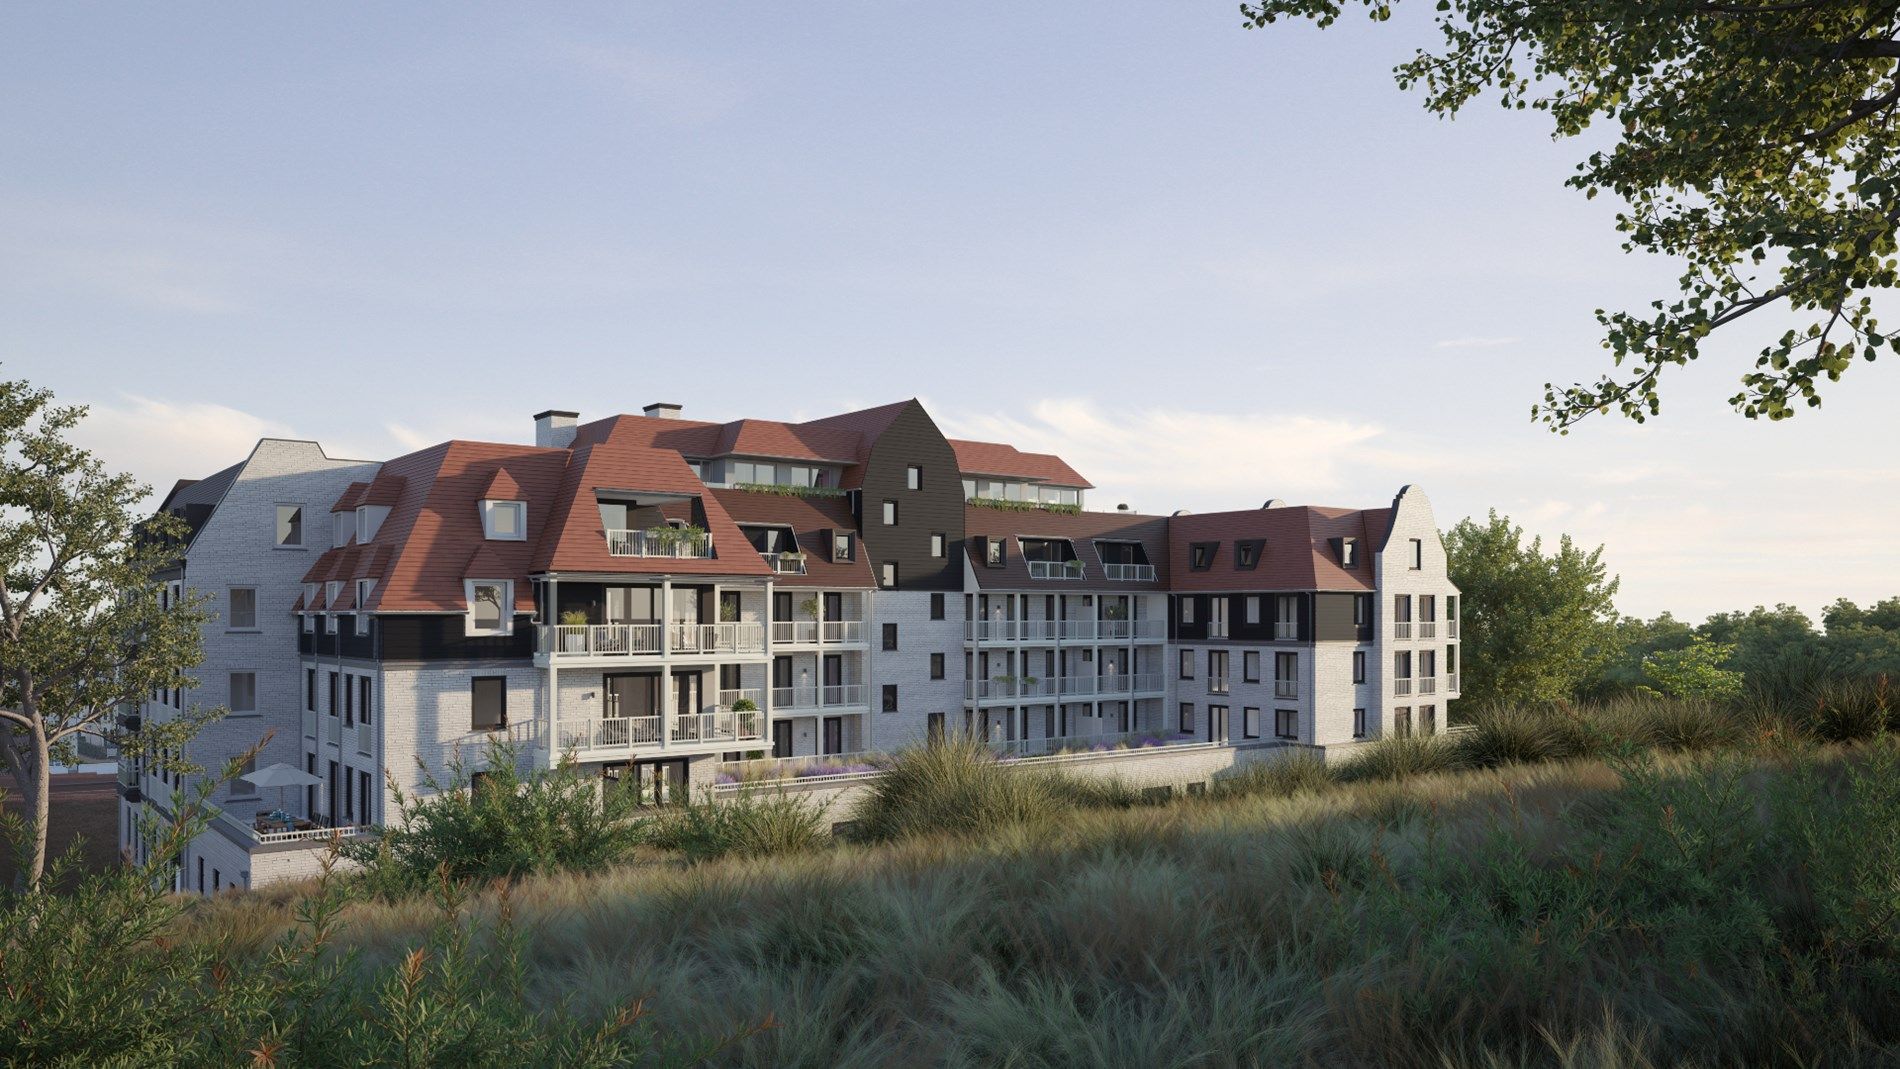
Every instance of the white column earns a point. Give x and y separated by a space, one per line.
550 611
666 662
765 689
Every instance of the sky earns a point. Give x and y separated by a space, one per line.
1206 265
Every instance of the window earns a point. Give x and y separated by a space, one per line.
1187 718
1402 664
349 703
1349 552
840 547
936 606
243 601
890 513
243 692
487 607
1187 610
1247 553
1253 609
1187 664
290 525
993 552
364 587
333 710
1358 723
1427 609
1217 671
505 521
1250 666
890 697
1402 721
1286 724
239 786
1250 722
936 666
1286 667
888 576
1286 616
1359 666
1361 610
488 698
914 477
936 544
890 636
933 731
1217 617
362 699
310 689
1418 554
1201 555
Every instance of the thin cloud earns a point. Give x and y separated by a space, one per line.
160 442
1473 342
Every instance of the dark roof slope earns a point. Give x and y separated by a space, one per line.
1296 553
1081 529
809 518
575 542
1000 459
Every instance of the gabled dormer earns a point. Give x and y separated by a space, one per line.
504 509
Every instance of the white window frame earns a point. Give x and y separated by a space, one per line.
507 606
887 576
914 477
364 588
889 514
303 525
492 509
938 544
230 605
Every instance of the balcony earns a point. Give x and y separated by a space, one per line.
785 563
843 631
1451 628
333 734
719 725
1402 629
1056 569
1286 630
1129 573
1427 685
1428 629
834 696
644 640
129 788
671 542
1401 687
1451 683
1286 688
1076 686
623 733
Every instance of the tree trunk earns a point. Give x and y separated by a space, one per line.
35 784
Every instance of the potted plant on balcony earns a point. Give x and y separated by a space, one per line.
573 641
739 709
1073 566
728 612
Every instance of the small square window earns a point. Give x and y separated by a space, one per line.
1246 554
936 666
290 525
243 609
505 521
936 606
488 696
887 576
914 477
890 513
488 609
1349 553
1286 723
890 697
890 636
243 692
936 545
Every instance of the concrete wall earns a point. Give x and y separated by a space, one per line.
918 636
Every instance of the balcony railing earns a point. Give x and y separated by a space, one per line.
334 732
1451 628
1075 686
1063 630
1286 688
365 738
1427 685
795 633
786 563
659 542
1286 630
630 732
1401 687
609 733
1451 683
722 725
1106 740
1402 629
1129 573
844 631
635 640
1428 629
788 699
1055 569
309 723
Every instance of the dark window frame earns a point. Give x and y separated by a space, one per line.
1250 721
937 666
889 699
889 631
914 477
890 515
937 607
1247 553
1286 724
1201 555
939 545
1185 724
500 687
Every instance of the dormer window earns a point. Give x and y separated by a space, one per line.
1348 552
1201 555
342 525
369 520
363 589
993 552
1247 553
505 521
840 546
489 603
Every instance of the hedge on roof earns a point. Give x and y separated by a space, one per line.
1023 506
789 491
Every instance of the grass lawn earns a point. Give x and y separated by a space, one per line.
84 804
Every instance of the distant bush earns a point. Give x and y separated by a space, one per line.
1400 757
747 825
1277 776
505 825
1851 710
960 787
1502 734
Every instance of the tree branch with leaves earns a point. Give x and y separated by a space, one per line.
83 628
1758 144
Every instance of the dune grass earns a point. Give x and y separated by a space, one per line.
1658 909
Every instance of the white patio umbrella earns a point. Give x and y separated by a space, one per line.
280 776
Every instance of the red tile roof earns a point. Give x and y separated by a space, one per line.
502 487
808 517
385 489
1297 554
352 497
1081 529
999 459
574 540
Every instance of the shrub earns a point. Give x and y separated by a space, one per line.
1502 734
1687 725
1850 710
960 787
748 825
1400 758
1279 776
507 826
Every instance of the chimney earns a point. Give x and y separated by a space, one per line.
661 410
554 429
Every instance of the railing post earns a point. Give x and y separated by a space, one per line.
666 662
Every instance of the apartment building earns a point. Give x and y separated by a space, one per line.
657 597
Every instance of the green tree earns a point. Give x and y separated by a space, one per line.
1694 671
1762 634
1636 639
1756 142
1536 627
82 629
